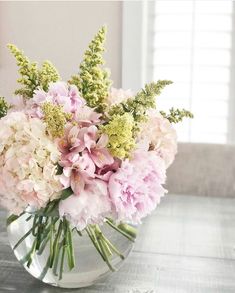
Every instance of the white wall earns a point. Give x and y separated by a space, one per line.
60 32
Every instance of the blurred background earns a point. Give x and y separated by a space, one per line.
190 42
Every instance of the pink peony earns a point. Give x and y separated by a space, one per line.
89 207
136 188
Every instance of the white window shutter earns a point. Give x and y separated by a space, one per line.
192 44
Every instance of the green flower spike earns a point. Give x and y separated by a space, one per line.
92 81
144 100
177 115
3 107
31 77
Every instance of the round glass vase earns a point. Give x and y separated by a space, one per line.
89 266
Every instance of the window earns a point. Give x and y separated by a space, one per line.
191 43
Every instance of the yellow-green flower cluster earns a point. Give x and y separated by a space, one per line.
47 74
28 72
144 100
32 77
176 115
92 81
3 107
120 133
140 103
55 118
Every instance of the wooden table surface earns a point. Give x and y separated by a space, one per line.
186 246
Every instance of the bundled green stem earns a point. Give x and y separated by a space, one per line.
52 231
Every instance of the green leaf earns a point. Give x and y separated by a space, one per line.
66 193
59 170
11 219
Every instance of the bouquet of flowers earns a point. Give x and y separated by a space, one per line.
77 155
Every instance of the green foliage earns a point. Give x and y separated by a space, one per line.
140 103
66 193
12 218
144 100
55 118
59 169
92 80
120 132
3 107
177 115
31 77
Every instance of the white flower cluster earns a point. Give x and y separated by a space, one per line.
159 134
28 161
117 96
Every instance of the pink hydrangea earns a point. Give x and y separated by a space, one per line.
89 207
59 93
136 188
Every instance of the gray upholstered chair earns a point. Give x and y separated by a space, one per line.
203 169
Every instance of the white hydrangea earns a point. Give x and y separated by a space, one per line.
117 96
159 134
28 159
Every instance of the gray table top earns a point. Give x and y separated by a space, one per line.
186 246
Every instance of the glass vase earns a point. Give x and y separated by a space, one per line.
89 266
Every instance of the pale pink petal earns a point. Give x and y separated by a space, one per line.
86 164
58 88
91 206
104 177
103 141
101 157
65 181
67 171
77 183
